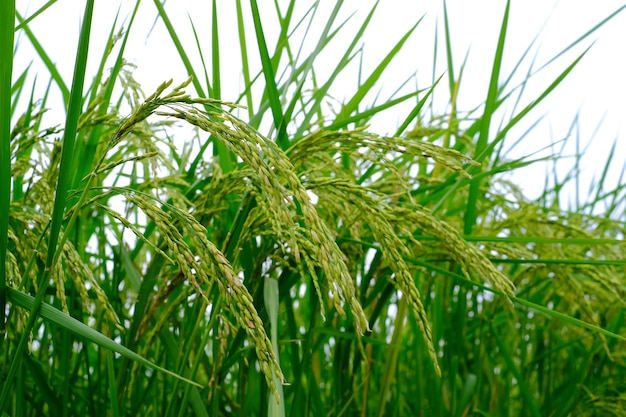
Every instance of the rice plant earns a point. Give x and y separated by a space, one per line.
177 252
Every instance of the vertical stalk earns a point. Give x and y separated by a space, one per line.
7 24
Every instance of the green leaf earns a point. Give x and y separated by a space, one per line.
80 329
54 73
271 88
490 108
7 21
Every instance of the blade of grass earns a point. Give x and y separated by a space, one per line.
603 176
200 53
80 329
219 149
7 22
490 107
215 48
584 36
417 109
271 88
433 74
34 15
18 87
450 62
43 55
598 187
243 48
283 40
367 114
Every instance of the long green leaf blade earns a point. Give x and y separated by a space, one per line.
490 107
70 324
54 73
271 87
7 22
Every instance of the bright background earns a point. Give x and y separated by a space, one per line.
588 107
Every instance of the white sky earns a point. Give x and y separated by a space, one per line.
593 92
